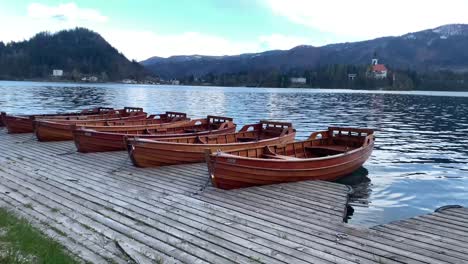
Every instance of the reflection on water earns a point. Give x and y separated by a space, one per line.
420 161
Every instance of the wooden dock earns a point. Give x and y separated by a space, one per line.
106 211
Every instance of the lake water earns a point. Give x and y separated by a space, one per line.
420 161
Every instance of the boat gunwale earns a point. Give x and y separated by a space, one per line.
132 139
85 129
364 150
73 122
298 160
290 131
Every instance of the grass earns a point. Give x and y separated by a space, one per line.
20 243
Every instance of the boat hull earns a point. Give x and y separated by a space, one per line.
87 141
25 124
61 131
150 153
51 131
232 172
16 125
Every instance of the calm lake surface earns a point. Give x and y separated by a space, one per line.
420 161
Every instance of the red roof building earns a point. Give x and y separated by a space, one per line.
378 71
379 68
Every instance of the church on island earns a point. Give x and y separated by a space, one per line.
378 71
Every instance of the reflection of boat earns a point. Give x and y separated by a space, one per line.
325 155
358 177
57 130
24 123
98 139
361 185
147 153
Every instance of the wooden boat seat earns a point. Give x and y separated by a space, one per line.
336 148
191 130
280 157
246 139
201 141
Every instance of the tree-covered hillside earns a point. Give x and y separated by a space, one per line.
78 52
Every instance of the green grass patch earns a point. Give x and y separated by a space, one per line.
20 243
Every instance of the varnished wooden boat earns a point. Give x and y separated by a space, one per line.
325 155
99 139
24 123
113 124
171 151
59 130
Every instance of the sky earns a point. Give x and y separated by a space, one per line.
144 28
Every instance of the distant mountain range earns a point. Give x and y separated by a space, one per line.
78 53
442 48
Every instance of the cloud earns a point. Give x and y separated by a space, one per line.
368 18
279 41
144 44
69 12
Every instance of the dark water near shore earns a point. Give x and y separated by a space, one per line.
420 161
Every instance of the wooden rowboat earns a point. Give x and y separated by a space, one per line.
325 155
99 139
171 151
59 130
24 123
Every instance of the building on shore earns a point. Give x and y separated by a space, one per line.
57 73
129 81
352 76
298 80
89 79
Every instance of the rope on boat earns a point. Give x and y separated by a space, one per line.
124 163
27 140
210 169
205 185
71 152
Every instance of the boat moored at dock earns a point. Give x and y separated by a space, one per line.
24 123
100 139
325 155
59 130
171 151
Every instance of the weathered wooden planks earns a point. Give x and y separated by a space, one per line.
105 210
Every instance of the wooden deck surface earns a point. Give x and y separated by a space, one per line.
104 210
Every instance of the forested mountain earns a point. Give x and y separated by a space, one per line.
78 52
433 50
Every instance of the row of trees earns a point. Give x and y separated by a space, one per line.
336 76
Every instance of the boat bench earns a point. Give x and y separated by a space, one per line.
192 130
246 139
334 148
280 157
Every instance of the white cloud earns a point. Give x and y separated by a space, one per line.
144 44
369 18
278 41
65 12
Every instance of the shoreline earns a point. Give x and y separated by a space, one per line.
97 84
